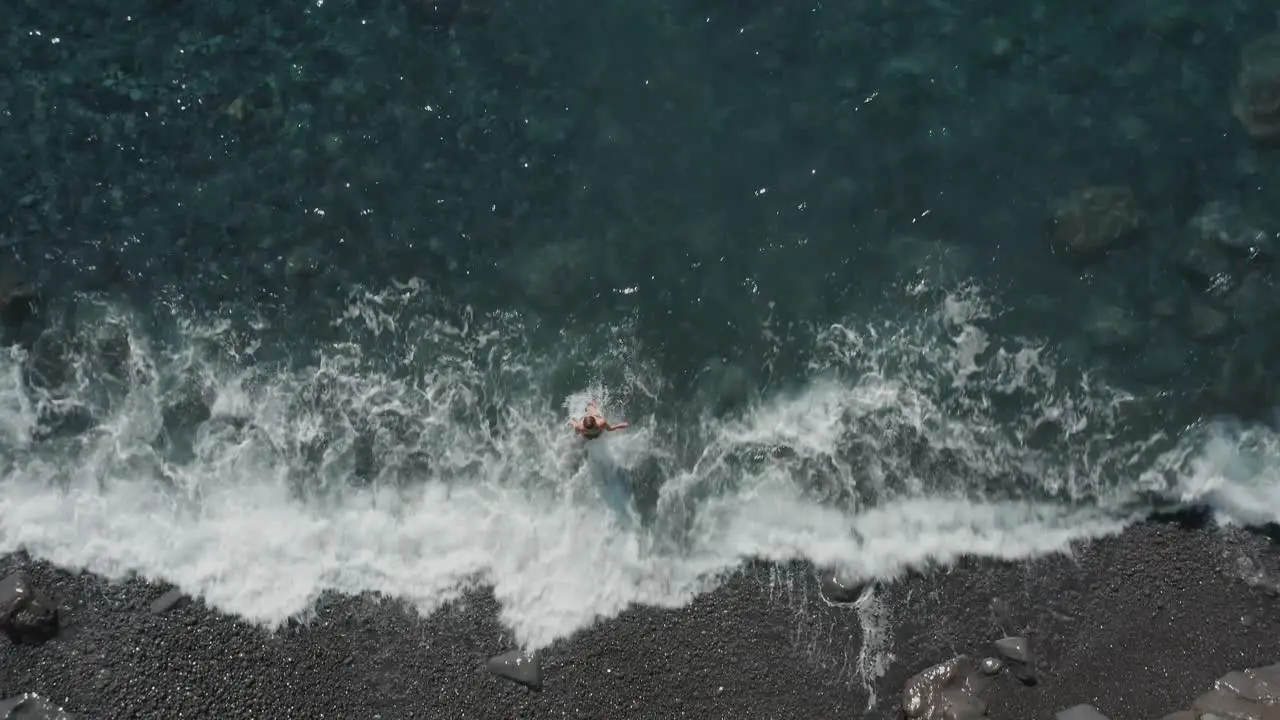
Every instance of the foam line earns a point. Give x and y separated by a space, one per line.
428 454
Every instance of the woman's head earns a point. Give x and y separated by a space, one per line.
589 422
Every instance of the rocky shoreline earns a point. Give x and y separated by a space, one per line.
1136 626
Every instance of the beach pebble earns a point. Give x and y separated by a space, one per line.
1083 711
518 666
1017 652
947 691
168 601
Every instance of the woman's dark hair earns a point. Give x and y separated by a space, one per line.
589 422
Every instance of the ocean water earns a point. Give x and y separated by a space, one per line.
339 350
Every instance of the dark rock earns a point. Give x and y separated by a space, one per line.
518 666
1017 653
17 302
1083 711
991 666
32 707
946 691
168 601
1014 649
1091 222
838 589
1173 21
26 613
1256 303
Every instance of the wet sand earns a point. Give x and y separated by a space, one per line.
1136 625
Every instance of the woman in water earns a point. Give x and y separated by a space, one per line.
593 424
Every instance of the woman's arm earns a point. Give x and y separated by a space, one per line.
619 426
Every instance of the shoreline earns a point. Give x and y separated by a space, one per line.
1137 624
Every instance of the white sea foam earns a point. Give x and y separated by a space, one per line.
1229 466
426 453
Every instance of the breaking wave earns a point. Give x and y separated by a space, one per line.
419 450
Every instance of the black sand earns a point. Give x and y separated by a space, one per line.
1136 625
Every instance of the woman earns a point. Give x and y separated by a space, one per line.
592 425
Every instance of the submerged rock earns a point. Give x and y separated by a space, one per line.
1089 223
518 666
936 264
32 707
946 691
1113 327
17 302
1205 268
1082 711
1206 323
1229 227
26 613
1256 303
1017 653
1255 99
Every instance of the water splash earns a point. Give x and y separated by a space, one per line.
420 450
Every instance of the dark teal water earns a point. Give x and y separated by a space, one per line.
321 284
